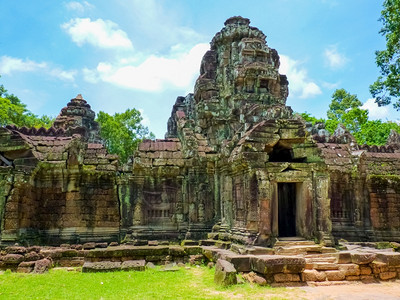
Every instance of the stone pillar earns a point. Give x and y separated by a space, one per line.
266 196
125 205
226 197
323 209
138 204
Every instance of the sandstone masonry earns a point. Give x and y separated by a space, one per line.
236 166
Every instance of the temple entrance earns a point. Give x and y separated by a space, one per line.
287 209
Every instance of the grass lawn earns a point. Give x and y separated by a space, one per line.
193 283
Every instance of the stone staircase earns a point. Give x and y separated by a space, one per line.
299 246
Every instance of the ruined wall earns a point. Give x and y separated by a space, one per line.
363 191
168 191
58 187
232 149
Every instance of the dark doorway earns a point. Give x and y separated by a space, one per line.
287 209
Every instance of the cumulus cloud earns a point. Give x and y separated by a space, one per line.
375 112
333 58
99 33
9 65
299 84
145 118
155 73
79 7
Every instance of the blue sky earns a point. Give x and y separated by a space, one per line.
143 54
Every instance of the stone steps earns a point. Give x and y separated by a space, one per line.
298 249
289 243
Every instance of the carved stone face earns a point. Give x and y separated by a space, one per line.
208 66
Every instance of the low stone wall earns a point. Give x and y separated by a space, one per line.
333 267
23 259
275 269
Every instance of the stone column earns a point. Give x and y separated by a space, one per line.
138 204
323 209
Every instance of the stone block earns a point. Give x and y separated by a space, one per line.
225 273
352 277
53 253
15 250
335 275
196 259
254 278
387 275
152 243
365 270
134 265
12 259
32 256
42 266
240 262
285 277
26 267
362 258
102 266
88 246
343 257
271 264
325 266
378 267
313 275
69 253
193 250
392 259
176 251
350 269
71 262
101 245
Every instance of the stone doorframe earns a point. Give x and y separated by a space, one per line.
304 208
312 201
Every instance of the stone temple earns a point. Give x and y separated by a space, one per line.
236 165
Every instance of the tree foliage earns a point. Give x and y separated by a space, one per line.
345 108
387 86
14 112
122 132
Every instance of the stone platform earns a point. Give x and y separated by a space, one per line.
288 263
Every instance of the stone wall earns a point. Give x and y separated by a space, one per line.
233 157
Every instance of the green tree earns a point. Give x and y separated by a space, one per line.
309 118
387 86
342 102
122 132
345 108
375 132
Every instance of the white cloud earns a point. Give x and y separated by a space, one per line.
155 73
299 83
78 6
100 33
10 65
334 59
375 112
145 118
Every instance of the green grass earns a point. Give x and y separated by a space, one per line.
193 283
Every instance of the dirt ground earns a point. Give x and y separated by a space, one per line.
359 291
